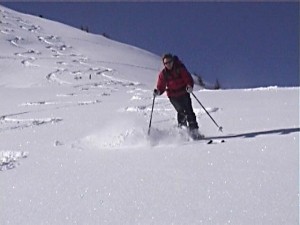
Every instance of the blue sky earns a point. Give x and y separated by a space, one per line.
242 45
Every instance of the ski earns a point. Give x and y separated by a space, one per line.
207 141
212 141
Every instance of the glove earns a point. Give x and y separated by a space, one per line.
189 89
156 92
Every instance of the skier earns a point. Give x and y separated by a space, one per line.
178 84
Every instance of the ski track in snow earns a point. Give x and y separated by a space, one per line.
61 53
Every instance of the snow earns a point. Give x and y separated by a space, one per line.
74 149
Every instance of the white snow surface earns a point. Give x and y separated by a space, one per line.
74 115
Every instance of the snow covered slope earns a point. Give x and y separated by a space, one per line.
74 149
49 51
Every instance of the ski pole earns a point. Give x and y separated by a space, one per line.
220 128
151 115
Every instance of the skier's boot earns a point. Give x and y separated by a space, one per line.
182 121
195 134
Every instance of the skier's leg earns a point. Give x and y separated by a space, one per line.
181 115
191 117
181 119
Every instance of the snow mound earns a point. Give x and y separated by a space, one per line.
116 134
10 159
128 135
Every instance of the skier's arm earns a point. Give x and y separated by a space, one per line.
161 83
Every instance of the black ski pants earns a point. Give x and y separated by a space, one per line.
185 112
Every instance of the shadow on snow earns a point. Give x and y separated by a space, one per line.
257 133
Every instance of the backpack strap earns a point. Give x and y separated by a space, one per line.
180 65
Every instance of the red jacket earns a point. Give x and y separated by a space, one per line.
174 81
